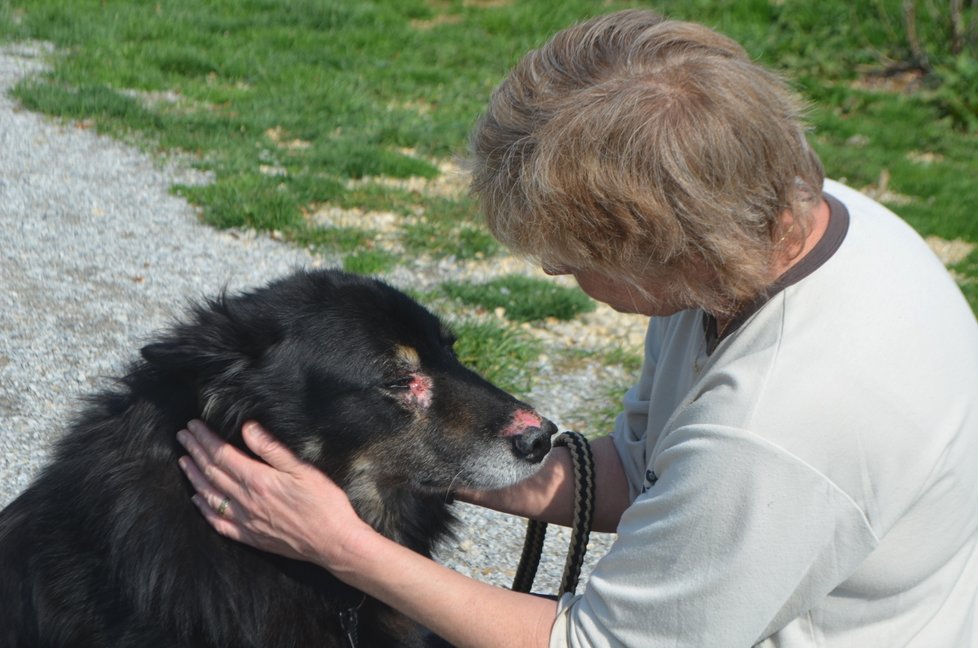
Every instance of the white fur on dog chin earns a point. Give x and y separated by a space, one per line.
496 468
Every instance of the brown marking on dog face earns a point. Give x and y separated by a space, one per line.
407 357
364 492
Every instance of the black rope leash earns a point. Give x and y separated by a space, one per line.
536 532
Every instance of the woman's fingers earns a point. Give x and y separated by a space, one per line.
270 449
206 491
206 473
223 525
222 454
218 495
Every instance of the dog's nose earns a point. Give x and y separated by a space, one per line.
533 443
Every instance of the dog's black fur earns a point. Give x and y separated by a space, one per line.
105 547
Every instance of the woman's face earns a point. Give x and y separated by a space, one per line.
621 296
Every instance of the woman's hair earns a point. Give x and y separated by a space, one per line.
648 149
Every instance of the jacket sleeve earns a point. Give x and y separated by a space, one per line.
735 539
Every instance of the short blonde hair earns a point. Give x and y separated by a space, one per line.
647 148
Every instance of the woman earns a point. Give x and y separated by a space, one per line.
795 466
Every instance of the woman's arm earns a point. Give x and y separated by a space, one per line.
464 611
548 496
288 507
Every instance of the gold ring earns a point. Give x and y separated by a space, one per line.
222 508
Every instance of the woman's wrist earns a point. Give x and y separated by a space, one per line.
341 550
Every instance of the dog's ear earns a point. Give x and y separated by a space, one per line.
221 337
213 351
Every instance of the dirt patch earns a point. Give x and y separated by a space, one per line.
880 191
451 182
950 252
431 23
893 80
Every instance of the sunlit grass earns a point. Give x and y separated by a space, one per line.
294 106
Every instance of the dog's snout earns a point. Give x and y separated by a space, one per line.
534 443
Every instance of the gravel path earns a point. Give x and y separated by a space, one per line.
95 255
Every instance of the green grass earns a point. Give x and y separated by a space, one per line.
502 354
354 82
523 299
296 105
449 226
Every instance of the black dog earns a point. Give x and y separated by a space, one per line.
105 548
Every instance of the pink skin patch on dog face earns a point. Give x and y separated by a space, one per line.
420 387
420 391
522 420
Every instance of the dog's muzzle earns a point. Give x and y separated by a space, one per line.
534 443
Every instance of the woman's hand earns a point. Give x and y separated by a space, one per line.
284 506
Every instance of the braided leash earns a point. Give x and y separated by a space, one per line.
536 532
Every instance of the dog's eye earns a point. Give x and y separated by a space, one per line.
403 382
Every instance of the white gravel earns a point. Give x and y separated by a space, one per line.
95 255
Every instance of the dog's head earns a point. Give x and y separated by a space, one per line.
358 379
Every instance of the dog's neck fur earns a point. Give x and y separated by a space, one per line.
417 521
